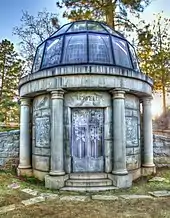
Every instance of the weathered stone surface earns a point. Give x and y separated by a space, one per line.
129 197
104 197
74 198
41 163
33 200
86 81
49 196
6 209
163 193
55 182
121 181
30 191
9 148
159 179
42 131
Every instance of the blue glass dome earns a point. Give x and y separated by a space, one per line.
85 43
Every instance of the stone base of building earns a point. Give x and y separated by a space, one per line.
39 174
135 173
150 170
24 172
121 181
55 182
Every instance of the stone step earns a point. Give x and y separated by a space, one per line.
88 176
89 189
88 182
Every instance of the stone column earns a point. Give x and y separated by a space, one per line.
147 137
57 155
119 175
25 134
56 178
119 131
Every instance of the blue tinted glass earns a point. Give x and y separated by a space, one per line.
79 26
134 58
110 30
121 53
52 53
38 57
62 30
99 49
75 49
93 26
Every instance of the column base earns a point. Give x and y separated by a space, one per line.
120 172
24 172
121 181
57 173
55 182
147 170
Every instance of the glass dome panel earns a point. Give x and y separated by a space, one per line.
75 49
38 58
79 26
52 54
100 49
62 30
121 53
93 26
134 58
111 31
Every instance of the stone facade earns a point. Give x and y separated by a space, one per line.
9 149
133 139
161 148
41 134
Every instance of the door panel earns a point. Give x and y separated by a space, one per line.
87 140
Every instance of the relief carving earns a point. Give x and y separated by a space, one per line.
86 99
42 131
132 131
41 102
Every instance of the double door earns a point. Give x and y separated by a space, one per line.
87 140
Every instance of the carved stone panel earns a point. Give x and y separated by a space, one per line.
132 131
42 132
87 99
131 101
41 102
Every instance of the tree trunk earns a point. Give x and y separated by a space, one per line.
164 99
110 13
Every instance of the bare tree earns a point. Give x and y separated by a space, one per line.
32 31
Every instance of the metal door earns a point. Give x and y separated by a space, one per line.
87 140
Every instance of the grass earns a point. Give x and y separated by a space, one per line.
147 208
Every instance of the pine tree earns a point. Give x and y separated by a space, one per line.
10 71
113 12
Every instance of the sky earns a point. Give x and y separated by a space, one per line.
11 12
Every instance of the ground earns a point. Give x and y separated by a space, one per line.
156 208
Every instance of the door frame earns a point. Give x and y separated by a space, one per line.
98 162
71 102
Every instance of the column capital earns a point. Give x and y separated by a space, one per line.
118 93
146 100
25 101
57 93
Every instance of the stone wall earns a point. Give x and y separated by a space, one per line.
41 133
9 149
133 145
161 143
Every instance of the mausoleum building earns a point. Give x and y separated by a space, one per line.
86 120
